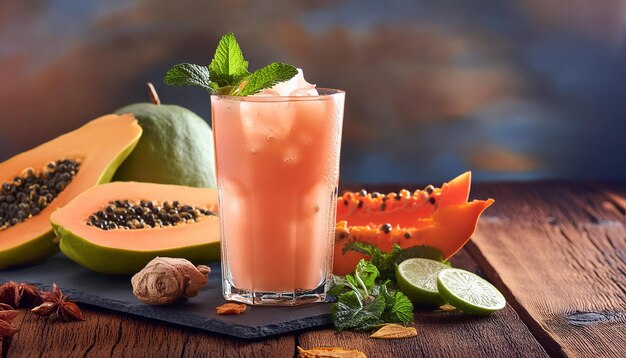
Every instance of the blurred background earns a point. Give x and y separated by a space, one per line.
513 90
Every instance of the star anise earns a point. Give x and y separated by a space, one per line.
7 313
19 294
55 303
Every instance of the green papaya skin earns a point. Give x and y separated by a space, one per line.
176 147
126 262
30 252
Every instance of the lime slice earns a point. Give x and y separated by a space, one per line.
469 292
417 279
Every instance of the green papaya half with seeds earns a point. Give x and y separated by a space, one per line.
176 146
117 228
36 182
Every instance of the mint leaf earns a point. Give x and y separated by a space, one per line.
351 313
398 307
401 310
228 65
376 290
366 274
339 285
188 74
362 248
374 311
384 262
361 281
266 77
343 283
354 285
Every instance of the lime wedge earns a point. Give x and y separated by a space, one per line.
417 279
469 292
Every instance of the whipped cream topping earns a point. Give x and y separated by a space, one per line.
296 86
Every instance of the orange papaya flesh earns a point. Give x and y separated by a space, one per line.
449 228
404 207
446 225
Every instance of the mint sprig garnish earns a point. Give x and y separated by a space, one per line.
228 73
369 296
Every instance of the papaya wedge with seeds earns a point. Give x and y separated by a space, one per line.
127 251
100 146
440 218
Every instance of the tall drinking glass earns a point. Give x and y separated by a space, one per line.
277 164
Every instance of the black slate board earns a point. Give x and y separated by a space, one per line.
115 293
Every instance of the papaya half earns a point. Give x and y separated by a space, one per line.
36 182
438 217
117 228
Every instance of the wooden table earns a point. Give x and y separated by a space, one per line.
556 250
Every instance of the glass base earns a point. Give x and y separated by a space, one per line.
289 298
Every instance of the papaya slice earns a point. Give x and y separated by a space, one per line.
117 228
36 182
404 207
437 217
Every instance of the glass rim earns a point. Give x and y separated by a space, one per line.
326 94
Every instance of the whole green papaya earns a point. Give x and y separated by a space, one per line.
176 147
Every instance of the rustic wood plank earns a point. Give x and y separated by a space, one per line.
105 334
558 252
441 334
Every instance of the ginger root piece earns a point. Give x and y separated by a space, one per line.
165 280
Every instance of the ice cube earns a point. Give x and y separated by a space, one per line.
310 116
265 121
